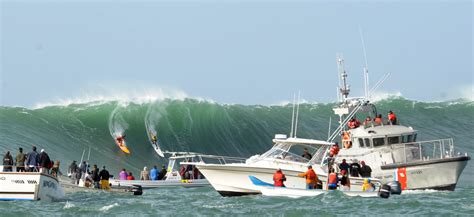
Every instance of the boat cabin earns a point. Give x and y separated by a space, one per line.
286 150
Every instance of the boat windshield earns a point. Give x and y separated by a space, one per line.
291 152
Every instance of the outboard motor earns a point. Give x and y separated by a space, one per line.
137 190
395 187
384 191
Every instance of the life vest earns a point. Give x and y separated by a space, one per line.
332 178
378 121
334 150
278 179
392 117
311 176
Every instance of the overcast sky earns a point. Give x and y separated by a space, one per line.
249 52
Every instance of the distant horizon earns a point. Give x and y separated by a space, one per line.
231 52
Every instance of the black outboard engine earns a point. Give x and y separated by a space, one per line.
384 191
137 190
395 187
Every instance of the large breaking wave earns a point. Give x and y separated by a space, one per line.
202 126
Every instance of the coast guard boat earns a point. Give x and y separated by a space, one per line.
29 186
391 149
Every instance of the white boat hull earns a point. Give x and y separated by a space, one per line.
29 186
436 174
232 179
147 184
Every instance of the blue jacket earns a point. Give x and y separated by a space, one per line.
154 174
32 158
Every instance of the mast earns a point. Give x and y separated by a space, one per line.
344 89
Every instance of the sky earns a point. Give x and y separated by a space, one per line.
231 51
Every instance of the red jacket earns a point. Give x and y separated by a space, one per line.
278 179
130 178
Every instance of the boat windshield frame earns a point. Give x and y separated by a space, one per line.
282 151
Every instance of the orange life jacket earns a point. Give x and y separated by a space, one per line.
378 120
311 177
334 150
392 117
278 178
332 178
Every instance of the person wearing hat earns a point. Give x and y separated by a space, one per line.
365 171
279 178
44 162
311 178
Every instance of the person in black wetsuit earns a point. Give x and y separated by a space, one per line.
354 168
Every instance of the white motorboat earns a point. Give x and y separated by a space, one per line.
268 189
29 186
392 150
231 179
178 174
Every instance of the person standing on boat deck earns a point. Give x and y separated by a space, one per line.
72 171
378 120
162 173
344 166
279 178
55 170
44 162
355 168
332 180
365 171
104 179
154 173
353 123
145 175
95 176
78 175
7 162
20 161
345 181
311 178
123 174
130 176
306 154
32 160
368 121
392 118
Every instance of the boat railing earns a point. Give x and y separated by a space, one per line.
216 159
423 150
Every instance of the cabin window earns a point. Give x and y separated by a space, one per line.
361 142
414 137
378 141
367 142
393 140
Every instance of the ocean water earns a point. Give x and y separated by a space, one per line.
221 129
206 202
